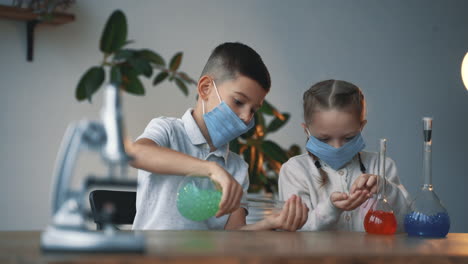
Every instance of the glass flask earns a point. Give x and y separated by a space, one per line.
427 217
198 199
380 218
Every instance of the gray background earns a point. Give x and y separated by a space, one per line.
405 55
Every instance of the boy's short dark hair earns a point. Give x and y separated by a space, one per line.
230 59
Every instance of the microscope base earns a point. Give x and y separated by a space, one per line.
82 240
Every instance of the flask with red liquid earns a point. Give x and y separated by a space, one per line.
380 218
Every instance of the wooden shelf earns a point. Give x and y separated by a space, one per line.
32 20
24 14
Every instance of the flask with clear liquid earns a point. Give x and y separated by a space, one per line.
380 218
427 217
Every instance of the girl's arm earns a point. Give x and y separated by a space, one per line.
322 215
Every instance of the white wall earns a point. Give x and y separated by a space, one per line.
405 55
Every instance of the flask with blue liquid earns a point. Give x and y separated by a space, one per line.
427 217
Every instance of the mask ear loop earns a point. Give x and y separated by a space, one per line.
219 97
314 158
216 90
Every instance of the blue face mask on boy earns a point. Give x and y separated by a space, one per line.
335 157
223 124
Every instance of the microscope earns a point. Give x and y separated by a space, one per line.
68 231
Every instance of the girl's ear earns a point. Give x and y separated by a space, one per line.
204 87
363 124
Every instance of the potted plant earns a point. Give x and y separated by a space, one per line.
125 65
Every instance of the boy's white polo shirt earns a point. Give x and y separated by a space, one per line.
156 193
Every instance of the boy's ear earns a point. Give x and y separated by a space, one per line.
204 86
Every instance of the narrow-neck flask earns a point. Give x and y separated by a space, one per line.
380 218
427 217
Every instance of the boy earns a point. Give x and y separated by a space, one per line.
231 88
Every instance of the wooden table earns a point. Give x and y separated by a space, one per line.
253 247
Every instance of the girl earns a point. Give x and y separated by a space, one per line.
336 177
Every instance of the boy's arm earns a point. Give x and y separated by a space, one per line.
292 217
149 156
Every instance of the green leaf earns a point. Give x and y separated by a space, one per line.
294 150
152 57
116 76
131 83
160 78
136 60
114 35
263 178
181 86
135 87
234 146
187 78
277 123
246 155
127 42
251 160
175 61
267 108
260 120
90 83
273 151
141 66
124 55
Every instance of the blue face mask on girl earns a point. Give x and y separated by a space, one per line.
335 157
223 124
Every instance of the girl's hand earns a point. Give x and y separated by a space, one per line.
365 182
292 217
347 202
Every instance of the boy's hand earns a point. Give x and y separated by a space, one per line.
232 190
365 182
129 146
292 217
347 202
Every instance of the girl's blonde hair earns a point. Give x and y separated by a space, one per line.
332 95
